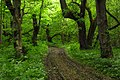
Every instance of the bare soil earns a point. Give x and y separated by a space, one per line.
60 67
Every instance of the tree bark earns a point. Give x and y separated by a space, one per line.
93 25
81 26
49 39
35 30
16 13
104 38
82 35
17 27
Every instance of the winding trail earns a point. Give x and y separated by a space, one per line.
60 67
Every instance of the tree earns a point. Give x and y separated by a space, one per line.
104 38
48 36
93 25
15 10
36 25
84 40
79 18
35 30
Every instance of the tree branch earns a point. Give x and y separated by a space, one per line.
23 10
114 26
115 20
67 13
112 16
27 32
76 4
55 35
89 13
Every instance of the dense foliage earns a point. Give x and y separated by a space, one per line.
26 67
55 28
109 67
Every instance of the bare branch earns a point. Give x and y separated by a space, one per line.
66 12
55 35
112 16
114 26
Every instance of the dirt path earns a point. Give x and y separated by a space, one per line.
61 67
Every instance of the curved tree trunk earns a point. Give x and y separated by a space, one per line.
91 32
80 21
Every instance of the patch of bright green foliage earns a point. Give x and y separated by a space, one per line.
110 66
28 67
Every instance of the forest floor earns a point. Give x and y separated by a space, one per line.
60 67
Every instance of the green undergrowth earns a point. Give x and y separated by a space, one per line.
28 67
109 67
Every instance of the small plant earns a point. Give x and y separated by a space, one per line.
28 67
92 58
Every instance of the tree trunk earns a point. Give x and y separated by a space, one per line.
35 30
104 38
91 32
17 23
36 25
49 39
82 35
80 21
16 13
92 21
81 26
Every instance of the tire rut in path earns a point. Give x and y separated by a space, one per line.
60 67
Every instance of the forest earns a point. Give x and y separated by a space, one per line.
59 40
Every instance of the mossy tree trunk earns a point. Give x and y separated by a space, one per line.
15 10
104 38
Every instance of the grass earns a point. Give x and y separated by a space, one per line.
109 67
28 67
31 67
